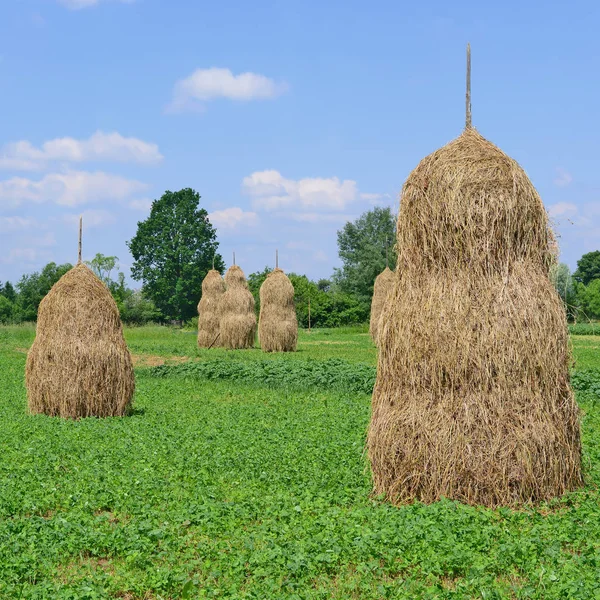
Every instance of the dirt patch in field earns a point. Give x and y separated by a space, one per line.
150 360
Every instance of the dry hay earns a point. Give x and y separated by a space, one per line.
383 283
213 289
277 324
472 399
79 364
238 320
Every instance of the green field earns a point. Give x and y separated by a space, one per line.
242 475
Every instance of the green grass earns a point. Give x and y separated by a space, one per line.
229 481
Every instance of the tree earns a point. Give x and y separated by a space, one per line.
173 250
588 268
589 299
8 291
362 249
103 266
32 289
6 310
560 275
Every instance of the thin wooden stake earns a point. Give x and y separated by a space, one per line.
80 230
277 259
469 117
213 342
234 259
213 262
387 264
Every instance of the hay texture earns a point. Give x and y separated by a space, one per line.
79 364
209 308
472 399
277 324
238 320
383 283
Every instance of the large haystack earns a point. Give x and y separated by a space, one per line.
472 399
278 324
79 364
209 308
238 320
383 283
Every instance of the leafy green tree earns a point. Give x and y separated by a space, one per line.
32 289
103 266
589 299
255 280
7 309
588 268
362 249
137 309
8 291
560 275
173 249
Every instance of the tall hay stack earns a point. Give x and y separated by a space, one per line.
472 398
277 324
238 320
209 308
383 284
79 364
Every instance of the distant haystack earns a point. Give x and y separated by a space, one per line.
209 317
79 364
383 283
238 320
278 325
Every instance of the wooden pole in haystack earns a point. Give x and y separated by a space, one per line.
80 232
472 400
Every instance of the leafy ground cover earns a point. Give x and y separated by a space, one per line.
231 480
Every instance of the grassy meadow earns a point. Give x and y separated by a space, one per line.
243 475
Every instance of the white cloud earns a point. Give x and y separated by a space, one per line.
68 189
91 218
10 224
320 256
143 204
272 191
314 217
209 84
376 199
563 178
20 255
231 218
562 209
114 147
77 4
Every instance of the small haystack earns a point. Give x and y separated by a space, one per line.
209 317
383 283
238 320
79 364
278 324
472 399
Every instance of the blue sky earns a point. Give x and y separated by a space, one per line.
289 118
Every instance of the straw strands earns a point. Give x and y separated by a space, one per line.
472 399
383 284
278 324
209 316
79 364
238 320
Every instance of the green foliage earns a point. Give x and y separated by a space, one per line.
7 310
136 309
588 297
560 275
331 374
588 268
226 488
584 328
8 291
32 289
173 250
362 250
103 266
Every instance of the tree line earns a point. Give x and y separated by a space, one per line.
176 246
